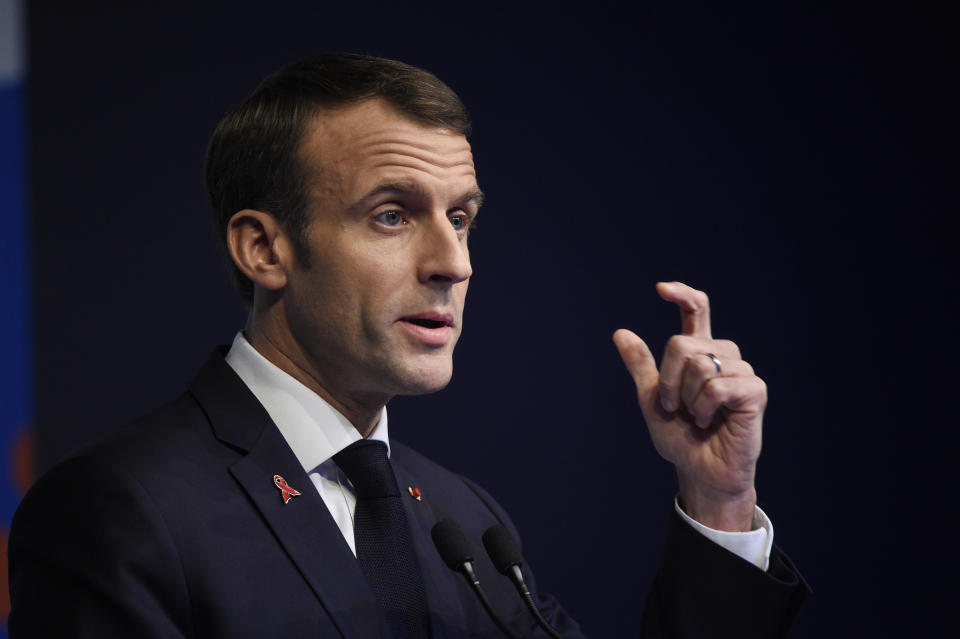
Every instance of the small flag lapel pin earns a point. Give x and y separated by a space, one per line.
285 488
414 492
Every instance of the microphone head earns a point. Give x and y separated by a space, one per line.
503 550
451 543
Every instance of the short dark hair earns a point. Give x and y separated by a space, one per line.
253 161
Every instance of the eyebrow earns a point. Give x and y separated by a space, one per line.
474 195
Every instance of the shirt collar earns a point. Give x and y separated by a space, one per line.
314 429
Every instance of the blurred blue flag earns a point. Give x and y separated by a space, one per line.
16 375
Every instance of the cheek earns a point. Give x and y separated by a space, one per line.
365 282
377 294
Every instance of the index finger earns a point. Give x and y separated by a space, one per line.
694 307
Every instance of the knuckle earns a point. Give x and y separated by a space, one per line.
760 393
728 348
700 300
761 387
714 388
679 344
752 389
704 366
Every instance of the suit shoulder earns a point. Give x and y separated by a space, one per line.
80 540
150 451
150 439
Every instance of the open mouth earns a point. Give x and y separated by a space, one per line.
426 323
432 329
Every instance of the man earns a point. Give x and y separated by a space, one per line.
344 190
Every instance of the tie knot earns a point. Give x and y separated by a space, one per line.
368 468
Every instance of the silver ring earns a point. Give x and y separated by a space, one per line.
716 362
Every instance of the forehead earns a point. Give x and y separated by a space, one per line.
351 149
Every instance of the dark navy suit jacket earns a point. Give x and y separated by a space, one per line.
173 527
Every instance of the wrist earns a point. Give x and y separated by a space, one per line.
731 512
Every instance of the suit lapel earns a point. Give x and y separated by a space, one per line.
303 526
447 618
309 535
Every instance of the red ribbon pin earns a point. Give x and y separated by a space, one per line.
287 490
414 492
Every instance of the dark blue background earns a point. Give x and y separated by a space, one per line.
799 165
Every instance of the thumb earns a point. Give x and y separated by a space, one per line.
640 364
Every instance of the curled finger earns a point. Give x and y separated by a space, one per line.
738 394
702 368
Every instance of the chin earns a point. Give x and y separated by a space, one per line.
426 380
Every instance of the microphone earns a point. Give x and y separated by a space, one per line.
456 552
505 554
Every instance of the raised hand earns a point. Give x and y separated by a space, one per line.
704 409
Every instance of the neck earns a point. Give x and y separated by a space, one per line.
363 412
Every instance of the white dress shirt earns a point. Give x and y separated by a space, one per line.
316 431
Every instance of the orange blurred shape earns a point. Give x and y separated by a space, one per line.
23 459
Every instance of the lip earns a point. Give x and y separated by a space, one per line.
437 336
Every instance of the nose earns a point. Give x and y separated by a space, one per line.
445 258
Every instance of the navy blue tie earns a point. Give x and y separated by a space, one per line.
384 545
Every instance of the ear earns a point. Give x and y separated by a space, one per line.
260 248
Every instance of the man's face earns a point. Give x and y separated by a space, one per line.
380 307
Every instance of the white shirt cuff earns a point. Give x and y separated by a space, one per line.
753 546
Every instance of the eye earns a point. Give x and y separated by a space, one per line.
459 221
390 218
